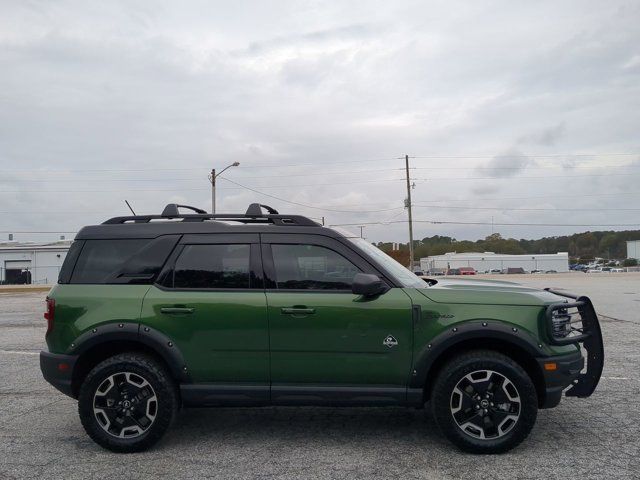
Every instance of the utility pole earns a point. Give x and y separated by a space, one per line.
213 190
406 159
361 227
212 179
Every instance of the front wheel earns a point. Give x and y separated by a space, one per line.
484 402
127 402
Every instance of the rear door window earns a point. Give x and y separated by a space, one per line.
213 266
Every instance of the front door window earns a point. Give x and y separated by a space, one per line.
311 267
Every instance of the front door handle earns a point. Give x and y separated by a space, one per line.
297 311
177 310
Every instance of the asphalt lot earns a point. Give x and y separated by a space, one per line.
599 437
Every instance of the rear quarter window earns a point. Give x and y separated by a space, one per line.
99 259
122 260
70 261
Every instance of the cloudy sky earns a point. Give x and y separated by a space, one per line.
512 112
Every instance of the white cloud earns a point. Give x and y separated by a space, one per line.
196 85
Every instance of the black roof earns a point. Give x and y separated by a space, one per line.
171 221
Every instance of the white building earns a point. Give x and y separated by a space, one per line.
36 263
633 249
483 262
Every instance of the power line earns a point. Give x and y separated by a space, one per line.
440 222
198 179
527 167
457 207
523 155
154 169
636 192
360 172
308 206
199 189
316 164
433 222
512 178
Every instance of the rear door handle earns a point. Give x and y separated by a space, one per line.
176 310
297 311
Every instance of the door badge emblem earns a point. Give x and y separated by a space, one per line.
390 341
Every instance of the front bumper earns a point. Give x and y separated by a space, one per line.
569 367
57 369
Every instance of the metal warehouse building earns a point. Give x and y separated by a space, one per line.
27 263
633 249
486 261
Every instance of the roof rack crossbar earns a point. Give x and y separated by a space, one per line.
253 214
255 210
171 210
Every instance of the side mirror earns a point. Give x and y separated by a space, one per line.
368 285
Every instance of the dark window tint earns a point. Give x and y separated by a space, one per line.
101 259
312 267
213 266
69 262
147 263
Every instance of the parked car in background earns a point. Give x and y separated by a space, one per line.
617 270
512 270
453 271
467 271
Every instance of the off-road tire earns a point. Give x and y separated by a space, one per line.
152 372
465 364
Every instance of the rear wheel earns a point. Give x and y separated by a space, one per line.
484 402
127 402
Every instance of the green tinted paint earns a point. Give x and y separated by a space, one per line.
437 317
342 341
83 307
243 337
225 339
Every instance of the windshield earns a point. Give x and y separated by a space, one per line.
400 273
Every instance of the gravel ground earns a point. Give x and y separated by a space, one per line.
598 437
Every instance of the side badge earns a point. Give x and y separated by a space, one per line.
390 341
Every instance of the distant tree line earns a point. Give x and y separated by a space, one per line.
585 246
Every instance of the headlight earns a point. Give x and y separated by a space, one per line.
561 323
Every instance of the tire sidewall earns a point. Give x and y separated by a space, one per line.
160 382
449 378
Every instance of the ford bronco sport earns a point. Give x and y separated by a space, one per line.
153 313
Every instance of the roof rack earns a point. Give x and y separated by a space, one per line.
253 214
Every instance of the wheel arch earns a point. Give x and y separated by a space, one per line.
108 340
521 347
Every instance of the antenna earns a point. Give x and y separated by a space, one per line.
129 207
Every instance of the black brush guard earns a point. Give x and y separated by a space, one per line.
590 337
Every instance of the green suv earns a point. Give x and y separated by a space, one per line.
153 313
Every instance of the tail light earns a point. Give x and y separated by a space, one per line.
50 313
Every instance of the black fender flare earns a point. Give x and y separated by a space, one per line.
157 341
470 330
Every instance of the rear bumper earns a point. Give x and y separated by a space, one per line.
57 369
